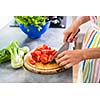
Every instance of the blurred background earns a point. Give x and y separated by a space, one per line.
58 21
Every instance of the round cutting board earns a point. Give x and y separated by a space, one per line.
41 68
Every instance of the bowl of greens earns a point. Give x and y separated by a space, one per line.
33 26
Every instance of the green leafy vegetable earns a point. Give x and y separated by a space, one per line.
4 55
37 21
14 53
17 54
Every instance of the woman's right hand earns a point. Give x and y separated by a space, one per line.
70 34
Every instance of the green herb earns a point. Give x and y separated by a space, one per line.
37 21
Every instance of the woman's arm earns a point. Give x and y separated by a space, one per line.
70 58
81 20
91 53
70 32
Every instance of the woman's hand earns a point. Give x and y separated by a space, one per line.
69 58
70 34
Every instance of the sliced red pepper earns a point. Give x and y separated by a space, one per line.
32 61
50 58
44 58
43 53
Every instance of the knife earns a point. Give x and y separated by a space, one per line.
65 46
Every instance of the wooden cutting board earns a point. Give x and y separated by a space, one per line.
41 68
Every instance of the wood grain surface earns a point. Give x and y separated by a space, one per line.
41 68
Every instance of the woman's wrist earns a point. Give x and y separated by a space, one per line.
76 24
80 54
90 53
84 54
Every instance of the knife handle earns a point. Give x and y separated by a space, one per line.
74 36
77 32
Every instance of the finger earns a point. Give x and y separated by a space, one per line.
66 36
63 63
68 66
75 38
70 39
72 36
61 54
65 57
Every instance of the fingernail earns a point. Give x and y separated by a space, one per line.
70 39
65 67
56 61
60 64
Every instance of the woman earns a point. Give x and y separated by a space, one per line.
89 69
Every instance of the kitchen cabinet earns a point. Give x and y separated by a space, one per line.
52 37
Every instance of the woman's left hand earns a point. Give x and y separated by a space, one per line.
69 58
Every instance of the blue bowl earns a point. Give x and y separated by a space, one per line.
33 32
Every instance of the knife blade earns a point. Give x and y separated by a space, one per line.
65 46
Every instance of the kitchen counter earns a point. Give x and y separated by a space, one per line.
52 37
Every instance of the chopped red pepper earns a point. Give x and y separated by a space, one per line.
42 54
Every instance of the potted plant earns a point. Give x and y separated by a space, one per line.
33 26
